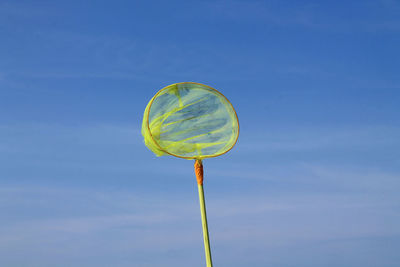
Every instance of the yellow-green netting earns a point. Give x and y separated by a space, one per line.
190 120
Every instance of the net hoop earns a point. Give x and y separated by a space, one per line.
193 157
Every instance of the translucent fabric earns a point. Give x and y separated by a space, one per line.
190 120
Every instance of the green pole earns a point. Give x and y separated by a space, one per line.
205 226
198 168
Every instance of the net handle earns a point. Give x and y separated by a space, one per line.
198 167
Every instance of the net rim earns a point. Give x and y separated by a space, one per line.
169 153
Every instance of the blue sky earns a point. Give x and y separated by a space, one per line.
312 181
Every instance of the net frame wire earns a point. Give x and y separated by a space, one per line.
193 157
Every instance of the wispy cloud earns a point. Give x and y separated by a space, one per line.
304 203
118 57
151 225
21 10
309 138
308 15
258 11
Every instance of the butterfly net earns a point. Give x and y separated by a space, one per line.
190 120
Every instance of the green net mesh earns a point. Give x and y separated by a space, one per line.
190 120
